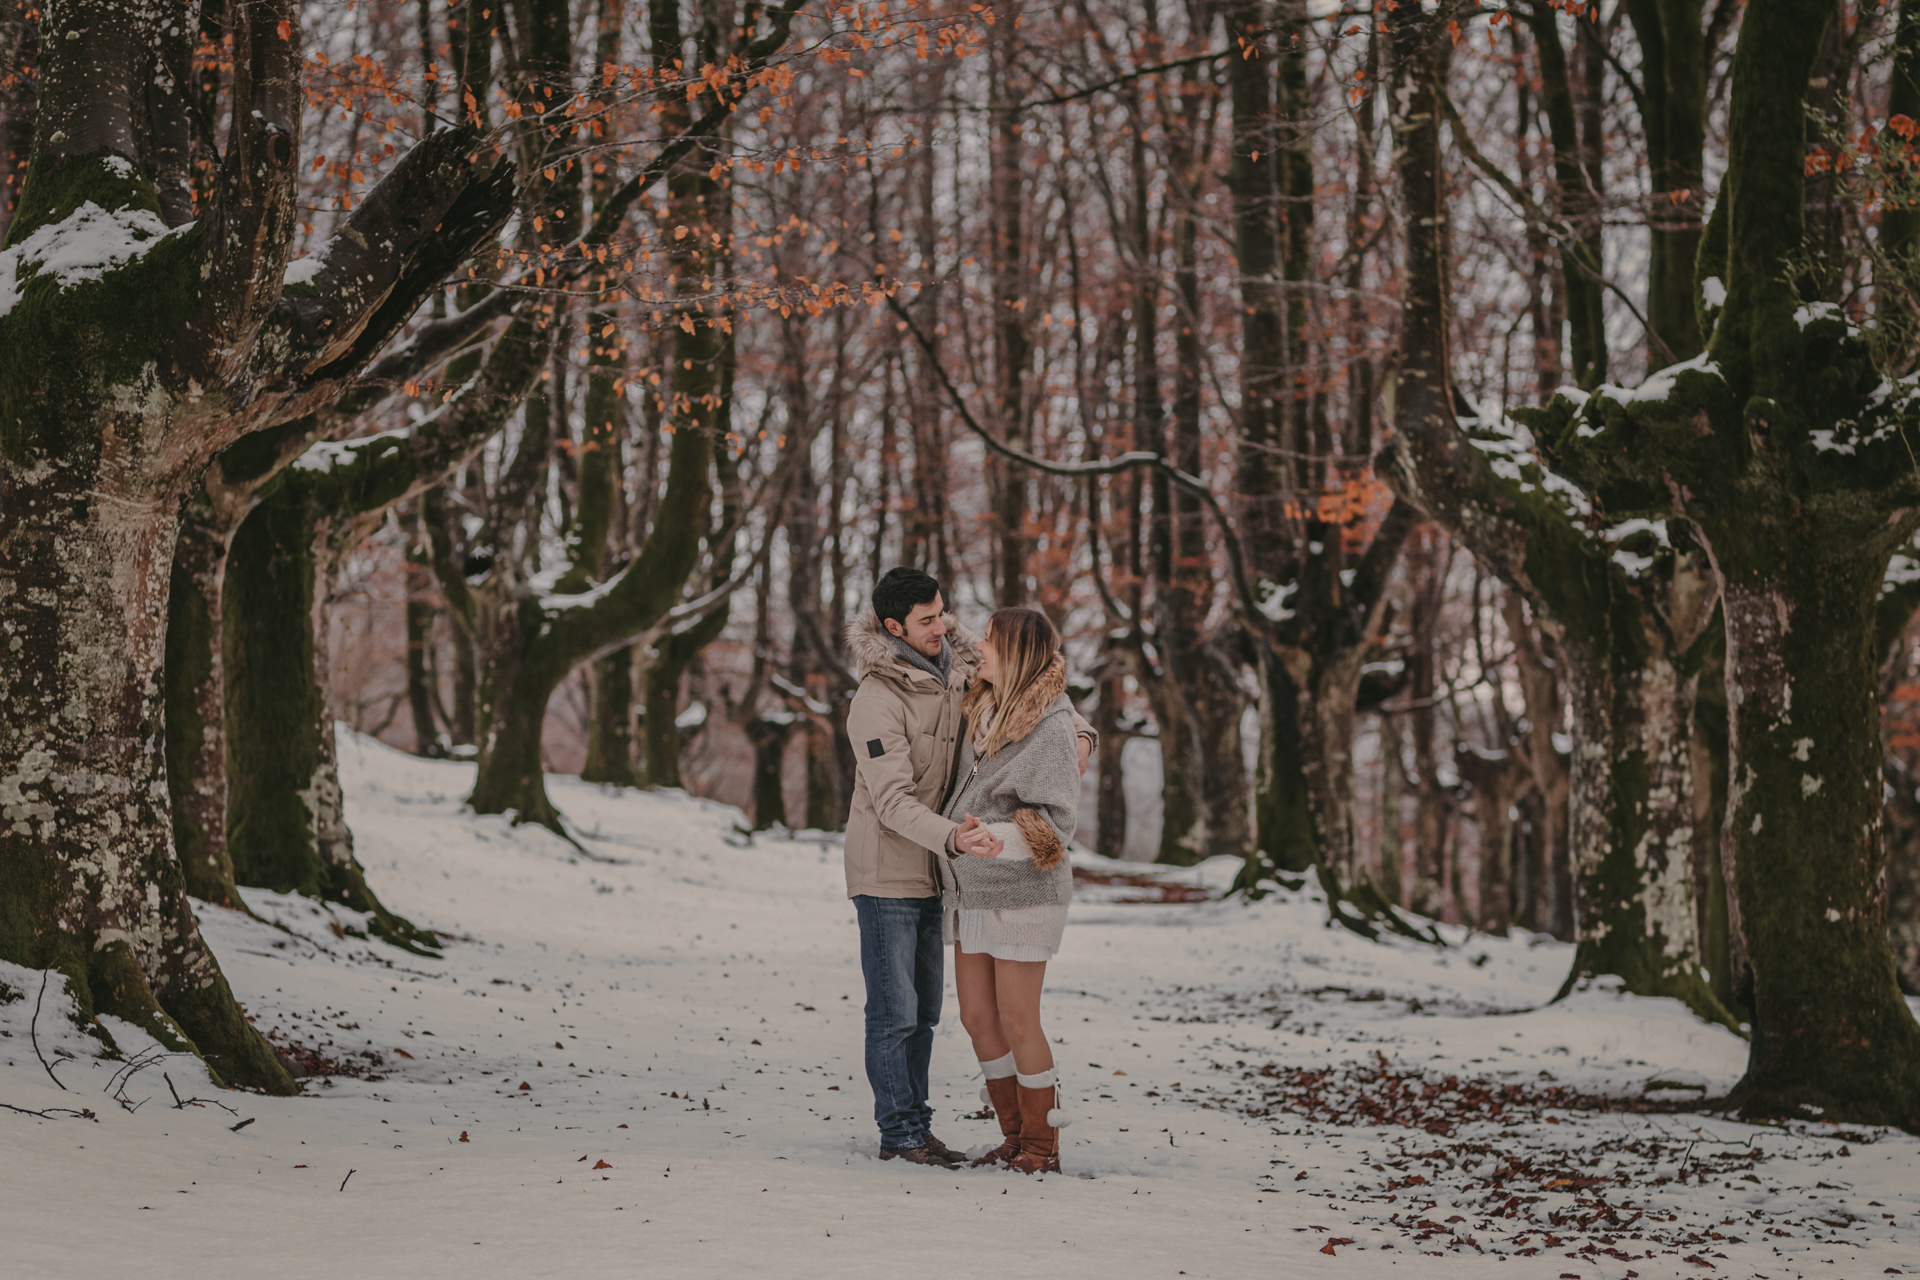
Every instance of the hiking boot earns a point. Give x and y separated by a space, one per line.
1004 1097
922 1154
945 1152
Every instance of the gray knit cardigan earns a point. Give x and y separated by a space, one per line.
1039 773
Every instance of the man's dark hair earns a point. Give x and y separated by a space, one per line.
900 590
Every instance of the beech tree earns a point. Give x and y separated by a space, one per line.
136 342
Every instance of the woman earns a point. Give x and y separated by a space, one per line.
1007 882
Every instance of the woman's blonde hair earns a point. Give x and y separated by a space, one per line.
1027 644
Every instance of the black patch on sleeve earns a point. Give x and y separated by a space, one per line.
875 748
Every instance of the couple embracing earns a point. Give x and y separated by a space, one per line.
969 760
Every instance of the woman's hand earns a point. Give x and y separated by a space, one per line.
976 841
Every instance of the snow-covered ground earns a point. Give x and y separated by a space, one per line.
1253 1091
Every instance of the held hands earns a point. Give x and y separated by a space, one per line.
976 841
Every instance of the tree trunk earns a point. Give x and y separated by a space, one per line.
195 715
1218 703
1548 904
1673 118
1632 808
660 726
1253 179
1011 349
1497 777
1580 260
610 724
769 735
122 385
1708 748
1110 831
420 614
286 824
1393 780
1803 841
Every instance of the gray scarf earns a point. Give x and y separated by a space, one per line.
939 671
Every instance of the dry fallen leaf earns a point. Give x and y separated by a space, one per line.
1327 1248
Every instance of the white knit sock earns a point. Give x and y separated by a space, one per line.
1045 1080
1000 1068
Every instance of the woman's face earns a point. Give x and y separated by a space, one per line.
989 660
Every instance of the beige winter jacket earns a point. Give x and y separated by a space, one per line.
905 727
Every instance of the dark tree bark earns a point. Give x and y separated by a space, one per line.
1548 905
1576 196
1801 532
610 726
1012 351
121 388
286 825
1629 606
427 739
1673 117
1497 776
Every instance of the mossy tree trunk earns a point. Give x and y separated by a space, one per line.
286 821
1631 807
1624 634
195 721
1792 465
116 390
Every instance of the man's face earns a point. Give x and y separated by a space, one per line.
925 627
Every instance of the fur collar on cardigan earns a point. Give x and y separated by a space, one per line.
871 646
1023 714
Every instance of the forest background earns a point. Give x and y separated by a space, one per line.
1448 437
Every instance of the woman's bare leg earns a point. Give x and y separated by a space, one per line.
1017 985
975 981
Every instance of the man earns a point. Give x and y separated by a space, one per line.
905 723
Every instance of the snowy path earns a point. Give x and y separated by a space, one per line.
687 1015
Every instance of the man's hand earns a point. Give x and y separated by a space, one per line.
976 841
1086 749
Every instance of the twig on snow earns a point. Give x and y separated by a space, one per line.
33 1029
343 1181
50 1112
181 1104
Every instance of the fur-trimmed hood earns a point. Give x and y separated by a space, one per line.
871 646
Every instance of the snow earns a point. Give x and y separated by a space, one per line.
1513 456
303 270
1634 563
328 454
701 988
1274 598
1807 313
1657 387
1713 292
81 247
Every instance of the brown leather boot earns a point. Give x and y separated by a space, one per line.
1003 1096
1039 1138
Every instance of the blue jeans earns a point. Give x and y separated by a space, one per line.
904 963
